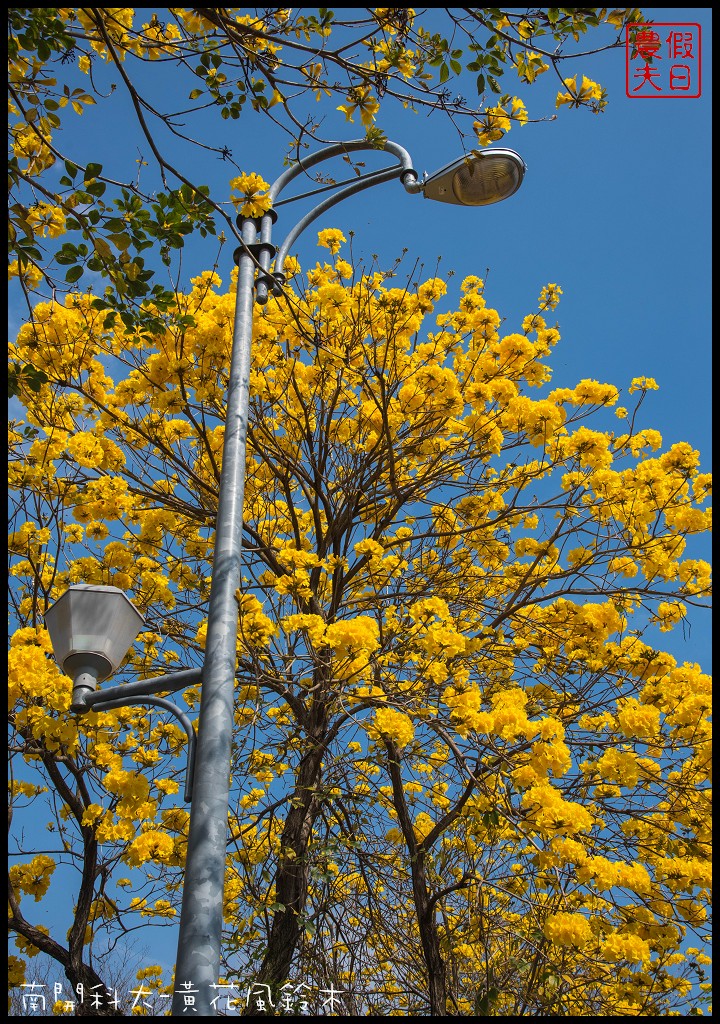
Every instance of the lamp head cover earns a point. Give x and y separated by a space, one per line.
95 625
481 178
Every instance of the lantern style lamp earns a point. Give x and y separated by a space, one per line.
484 177
91 630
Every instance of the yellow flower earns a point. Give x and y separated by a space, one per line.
619 766
353 635
590 93
565 929
642 384
363 100
30 275
47 219
33 878
254 628
152 845
392 725
550 296
86 449
524 29
529 65
16 971
638 720
394 19
331 238
251 203
493 125
635 877
369 547
422 825
625 947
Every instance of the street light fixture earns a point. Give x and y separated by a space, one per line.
475 180
91 630
486 176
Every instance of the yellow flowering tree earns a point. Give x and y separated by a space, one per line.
71 217
460 749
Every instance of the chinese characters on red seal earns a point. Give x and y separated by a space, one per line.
663 60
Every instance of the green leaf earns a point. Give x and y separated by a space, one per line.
92 171
484 1002
34 378
121 242
74 274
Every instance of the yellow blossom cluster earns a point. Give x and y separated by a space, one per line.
331 238
115 21
33 878
360 99
588 92
392 725
529 65
567 929
47 219
351 637
497 121
640 720
625 946
150 845
252 202
551 814
255 628
619 766
38 691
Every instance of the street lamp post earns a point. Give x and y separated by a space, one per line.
493 175
478 180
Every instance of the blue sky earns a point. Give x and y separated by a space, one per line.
615 208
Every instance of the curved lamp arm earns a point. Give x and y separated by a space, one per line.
403 169
339 149
166 705
141 692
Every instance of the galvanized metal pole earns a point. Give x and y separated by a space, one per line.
198 958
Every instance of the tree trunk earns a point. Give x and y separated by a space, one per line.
424 908
291 880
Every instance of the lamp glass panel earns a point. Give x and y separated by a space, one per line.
96 620
487 181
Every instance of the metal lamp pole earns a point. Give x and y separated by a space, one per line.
199 954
